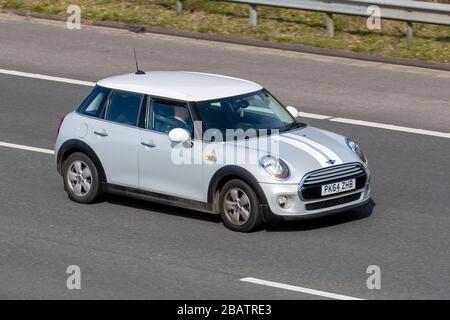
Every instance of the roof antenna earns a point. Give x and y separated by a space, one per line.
137 67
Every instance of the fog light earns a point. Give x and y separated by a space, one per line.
283 201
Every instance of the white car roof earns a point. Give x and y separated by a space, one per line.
181 85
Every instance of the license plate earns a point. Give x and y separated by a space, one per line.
338 187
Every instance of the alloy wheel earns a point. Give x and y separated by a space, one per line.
79 178
237 206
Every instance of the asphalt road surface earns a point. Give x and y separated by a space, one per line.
132 249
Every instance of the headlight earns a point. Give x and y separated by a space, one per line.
356 149
275 167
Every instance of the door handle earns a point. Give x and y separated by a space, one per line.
101 133
148 144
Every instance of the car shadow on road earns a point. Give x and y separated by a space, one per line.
160 208
326 221
299 225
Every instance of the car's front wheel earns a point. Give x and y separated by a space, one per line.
81 178
239 206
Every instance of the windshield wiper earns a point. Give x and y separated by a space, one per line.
294 125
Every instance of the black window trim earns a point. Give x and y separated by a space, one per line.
105 106
145 106
143 112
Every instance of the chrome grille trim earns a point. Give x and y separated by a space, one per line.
333 173
333 169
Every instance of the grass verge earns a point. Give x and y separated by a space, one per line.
431 43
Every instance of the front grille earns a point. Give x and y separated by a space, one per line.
313 182
333 202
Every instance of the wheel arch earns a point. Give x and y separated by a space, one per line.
71 146
227 173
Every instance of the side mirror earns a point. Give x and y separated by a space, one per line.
179 135
293 111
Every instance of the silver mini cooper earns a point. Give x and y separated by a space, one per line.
210 143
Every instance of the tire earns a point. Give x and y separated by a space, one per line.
236 199
79 172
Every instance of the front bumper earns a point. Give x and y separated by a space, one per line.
297 208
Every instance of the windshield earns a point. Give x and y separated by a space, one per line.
258 110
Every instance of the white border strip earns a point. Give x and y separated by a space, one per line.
44 77
299 289
22 147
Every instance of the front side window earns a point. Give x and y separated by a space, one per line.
165 116
257 110
94 104
124 107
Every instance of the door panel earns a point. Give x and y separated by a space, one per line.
115 139
116 147
158 172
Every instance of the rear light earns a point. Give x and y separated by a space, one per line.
60 124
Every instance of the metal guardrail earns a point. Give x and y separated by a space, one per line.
401 10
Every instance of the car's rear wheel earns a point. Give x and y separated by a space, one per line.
239 206
81 178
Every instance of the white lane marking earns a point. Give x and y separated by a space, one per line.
44 77
22 147
376 125
392 127
320 158
302 114
314 116
328 152
299 289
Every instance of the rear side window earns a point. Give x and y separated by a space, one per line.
124 107
94 104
